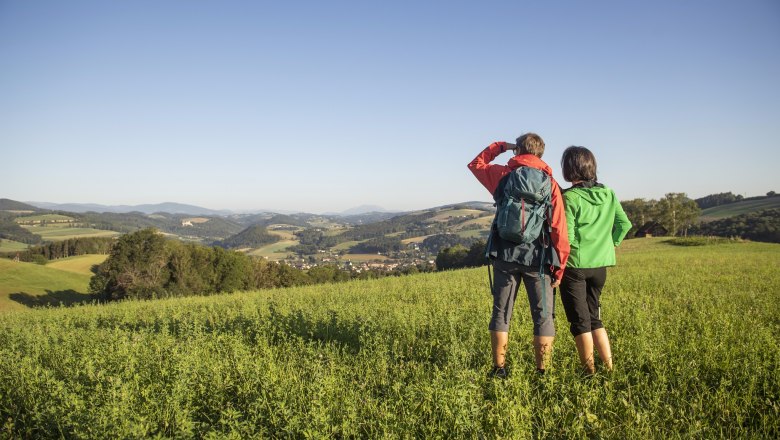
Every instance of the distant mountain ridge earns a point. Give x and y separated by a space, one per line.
358 214
169 207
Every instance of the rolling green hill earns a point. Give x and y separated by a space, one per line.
27 284
737 208
81 264
694 335
11 246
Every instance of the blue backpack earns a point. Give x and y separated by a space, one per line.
522 203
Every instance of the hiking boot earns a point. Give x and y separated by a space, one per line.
498 373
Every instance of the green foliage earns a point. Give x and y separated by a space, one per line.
639 212
377 245
145 265
758 226
676 212
435 243
312 240
136 268
696 356
458 256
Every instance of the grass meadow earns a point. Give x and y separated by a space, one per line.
694 332
23 285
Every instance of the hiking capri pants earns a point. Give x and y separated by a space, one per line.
541 297
581 298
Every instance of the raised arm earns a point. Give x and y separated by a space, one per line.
489 174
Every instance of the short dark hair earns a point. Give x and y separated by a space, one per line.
578 164
530 143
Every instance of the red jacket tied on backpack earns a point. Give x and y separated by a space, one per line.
491 174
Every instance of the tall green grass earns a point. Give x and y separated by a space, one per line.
694 331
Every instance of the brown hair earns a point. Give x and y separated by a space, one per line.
578 164
530 143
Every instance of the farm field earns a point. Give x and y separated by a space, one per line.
695 334
11 246
274 251
28 284
453 213
737 208
64 232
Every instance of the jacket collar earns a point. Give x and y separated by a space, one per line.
529 160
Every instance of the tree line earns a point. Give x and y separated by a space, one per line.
675 212
761 225
144 265
66 248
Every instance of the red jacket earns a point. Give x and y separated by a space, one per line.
490 174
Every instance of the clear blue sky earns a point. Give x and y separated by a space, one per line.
323 106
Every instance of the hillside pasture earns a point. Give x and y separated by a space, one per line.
482 222
24 285
284 231
12 246
737 208
274 251
346 245
59 232
449 214
694 333
419 239
81 264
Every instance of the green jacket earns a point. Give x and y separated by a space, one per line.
596 224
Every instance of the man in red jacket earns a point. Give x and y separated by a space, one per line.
513 262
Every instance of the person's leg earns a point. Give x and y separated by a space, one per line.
575 304
541 301
584 343
504 293
543 346
498 343
601 342
596 280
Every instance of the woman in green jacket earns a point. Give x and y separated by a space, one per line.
596 225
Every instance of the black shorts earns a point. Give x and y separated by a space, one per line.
580 295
